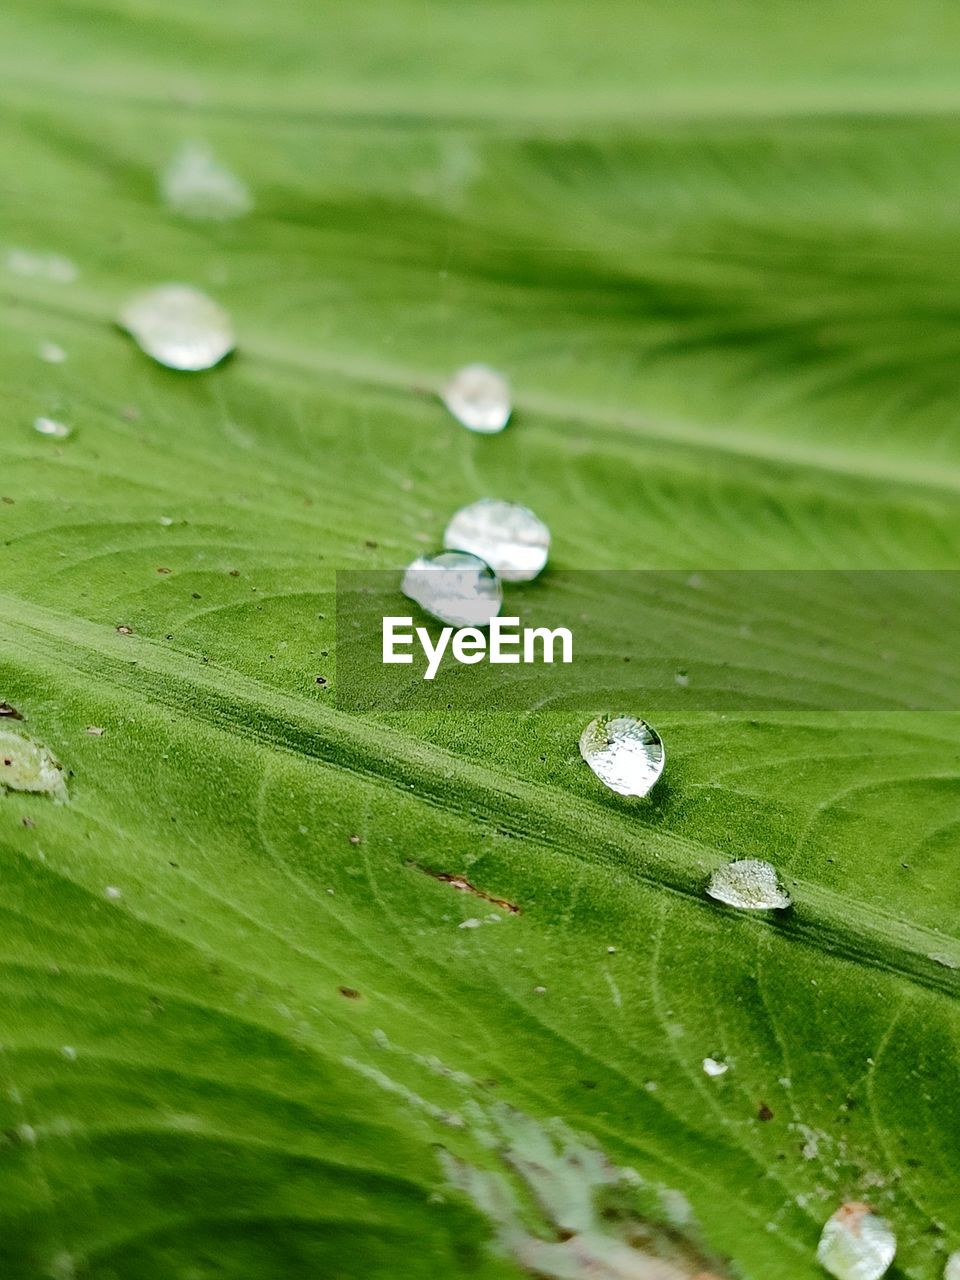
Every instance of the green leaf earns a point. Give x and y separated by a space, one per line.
242 1032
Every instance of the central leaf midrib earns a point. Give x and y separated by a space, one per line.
822 918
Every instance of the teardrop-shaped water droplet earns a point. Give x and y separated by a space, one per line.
512 540
196 185
749 884
856 1244
479 398
952 1270
454 587
179 326
50 427
625 753
27 765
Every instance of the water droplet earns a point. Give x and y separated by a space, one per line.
856 1244
510 538
46 266
750 884
179 326
712 1067
51 428
454 587
479 398
51 353
196 185
113 893
69 1052
625 753
952 1270
27 765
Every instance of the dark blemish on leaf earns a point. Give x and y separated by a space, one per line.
764 1112
234 573
8 712
463 885
371 545
8 501
195 595
125 631
162 570
28 822
349 993
589 1084
321 680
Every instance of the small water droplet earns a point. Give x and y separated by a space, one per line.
179 327
539 991
454 587
51 353
952 1270
856 1244
712 1067
750 884
27 765
479 398
509 537
196 185
51 428
47 266
625 753
69 1052
113 893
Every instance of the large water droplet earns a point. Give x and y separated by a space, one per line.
454 587
479 398
750 884
196 185
952 1270
27 765
50 427
179 326
625 753
856 1244
512 540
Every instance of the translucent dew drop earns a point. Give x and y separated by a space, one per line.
952 1270
456 588
178 326
479 398
712 1067
749 884
510 538
625 753
51 353
196 185
27 765
856 1244
51 428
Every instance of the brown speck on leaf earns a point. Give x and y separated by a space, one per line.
8 761
321 680
125 631
349 993
764 1112
9 713
195 595
162 570
463 885
234 573
8 501
28 822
